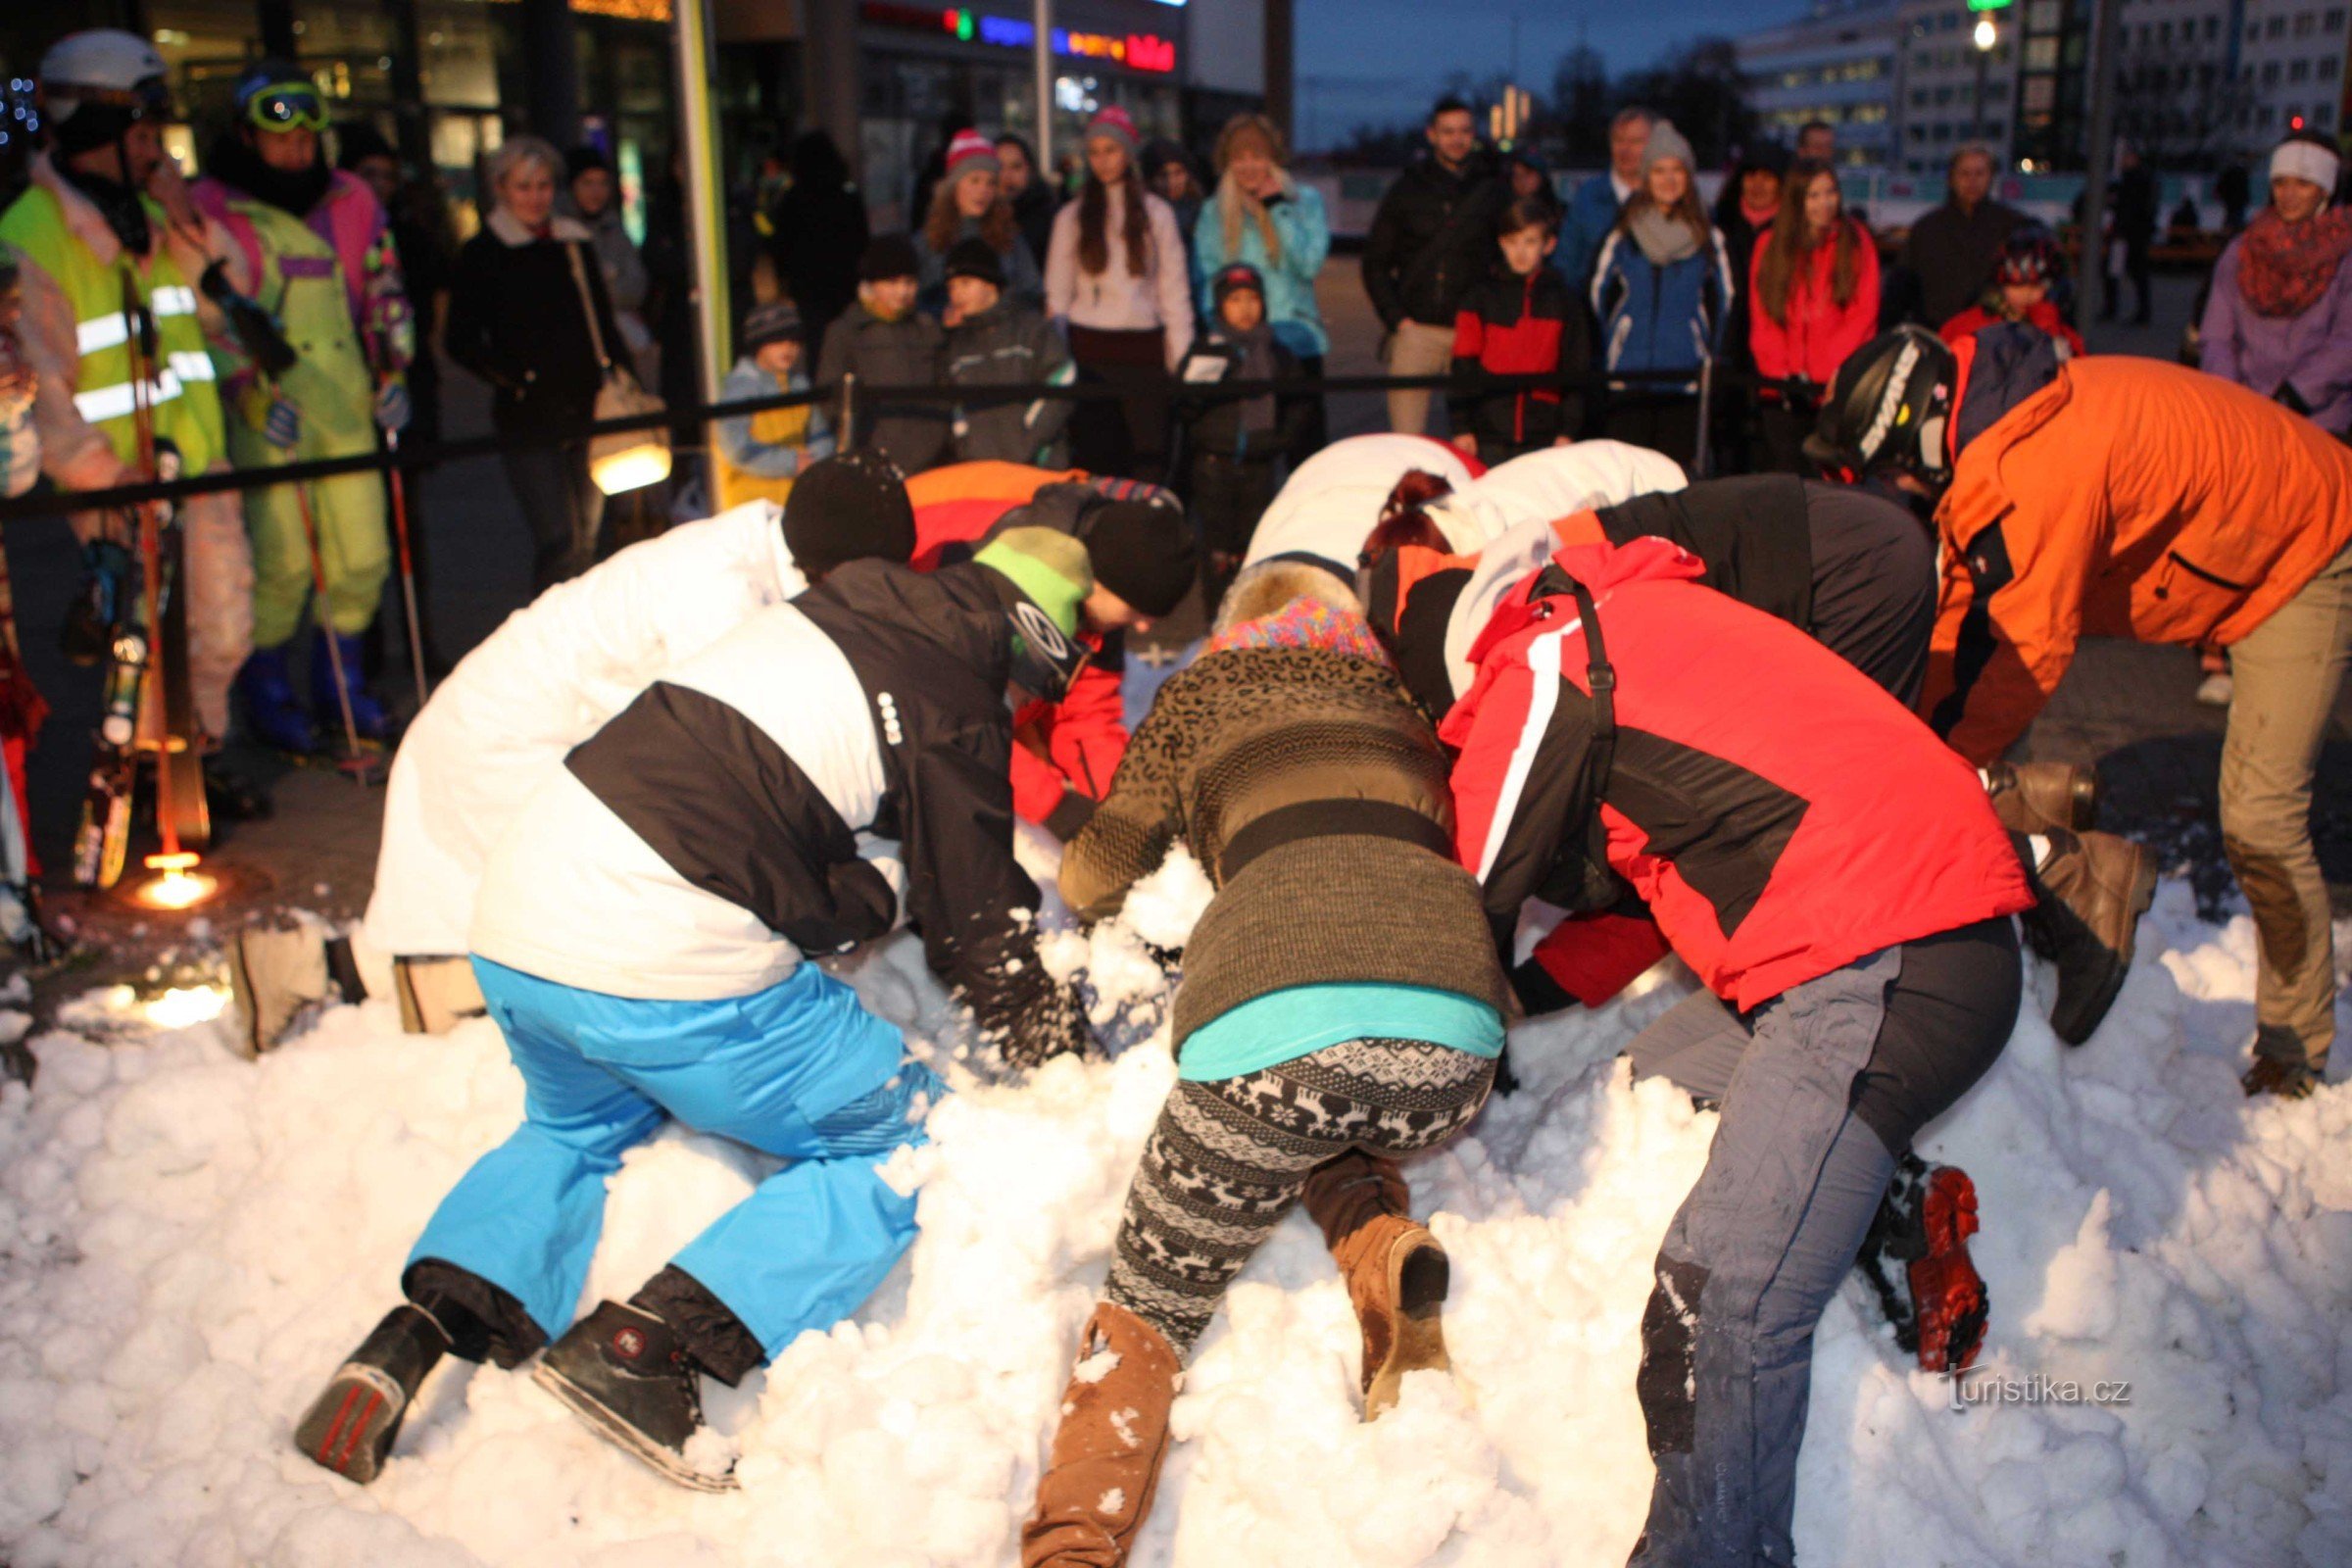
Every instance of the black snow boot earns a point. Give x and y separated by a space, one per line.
349 1428
625 1372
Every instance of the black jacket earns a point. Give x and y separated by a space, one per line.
1215 424
1953 254
903 353
515 320
1431 239
1009 344
1512 326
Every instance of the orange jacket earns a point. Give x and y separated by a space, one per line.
957 504
2130 498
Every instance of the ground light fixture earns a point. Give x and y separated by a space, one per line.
177 883
630 468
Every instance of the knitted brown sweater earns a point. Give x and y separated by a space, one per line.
1249 732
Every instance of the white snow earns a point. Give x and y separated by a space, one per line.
189 1244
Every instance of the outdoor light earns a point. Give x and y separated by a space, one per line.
177 883
630 468
1987 35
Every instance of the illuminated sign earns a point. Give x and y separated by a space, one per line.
1137 51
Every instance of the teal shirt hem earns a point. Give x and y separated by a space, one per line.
1297 1022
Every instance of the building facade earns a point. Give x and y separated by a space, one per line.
1952 92
1840 64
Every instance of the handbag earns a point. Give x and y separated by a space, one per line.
618 460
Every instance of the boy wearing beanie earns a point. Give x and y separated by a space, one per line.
1236 440
883 342
758 456
644 939
994 340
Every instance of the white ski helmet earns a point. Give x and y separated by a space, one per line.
97 84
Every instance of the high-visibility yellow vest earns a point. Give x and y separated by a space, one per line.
179 387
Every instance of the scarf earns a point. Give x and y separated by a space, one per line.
1305 622
294 191
1663 237
1758 216
117 202
2284 268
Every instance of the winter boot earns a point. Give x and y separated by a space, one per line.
1098 1486
2043 797
275 975
436 994
2092 887
1395 1271
627 1373
349 1429
2281 1065
271 707
1940 1310
367 714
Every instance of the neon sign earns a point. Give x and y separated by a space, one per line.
1137 51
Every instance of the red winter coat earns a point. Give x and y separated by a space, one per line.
1820 332
1066 749
1968 322
1778 814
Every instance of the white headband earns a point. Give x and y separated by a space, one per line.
2306 160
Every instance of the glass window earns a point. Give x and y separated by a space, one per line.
2298 71
2303 23
2269 74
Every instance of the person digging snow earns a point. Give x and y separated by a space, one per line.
318 248
1339 995
2117 496
644 937
1842 888
551 676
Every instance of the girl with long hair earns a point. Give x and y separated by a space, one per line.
1815 300
1116 277
969 202
1661 288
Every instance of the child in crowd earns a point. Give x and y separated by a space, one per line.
1520 320
758 456
884 343
1236 442
2020 292
996 341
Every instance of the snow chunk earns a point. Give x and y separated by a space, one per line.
1096 1367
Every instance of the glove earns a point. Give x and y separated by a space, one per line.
392 405
1537 992
269 415
87 635
1053 1025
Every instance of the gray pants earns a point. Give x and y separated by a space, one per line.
1773 1226
2286 673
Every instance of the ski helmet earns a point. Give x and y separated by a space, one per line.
1889 407
2029 255
97 84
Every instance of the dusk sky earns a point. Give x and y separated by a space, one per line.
1383 60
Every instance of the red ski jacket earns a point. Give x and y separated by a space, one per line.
2043 314
1066 750
1820 332
1778 814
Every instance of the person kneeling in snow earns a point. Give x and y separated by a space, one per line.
644 938
1842 888
545 681
1340 993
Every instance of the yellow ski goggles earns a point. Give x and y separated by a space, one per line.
291 106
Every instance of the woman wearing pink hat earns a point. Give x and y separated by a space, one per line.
1116 279
969 202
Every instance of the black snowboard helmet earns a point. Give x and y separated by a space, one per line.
1890 409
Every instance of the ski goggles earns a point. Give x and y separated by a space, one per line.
292 107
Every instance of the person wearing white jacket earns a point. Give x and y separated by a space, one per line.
1117 282
1553 483
538 686
1332 500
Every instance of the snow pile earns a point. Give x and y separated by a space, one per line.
189 1243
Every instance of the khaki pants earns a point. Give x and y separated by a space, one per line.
1416 349
2286 673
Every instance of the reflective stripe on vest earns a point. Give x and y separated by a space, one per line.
118 400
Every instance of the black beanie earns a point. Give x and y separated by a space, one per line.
888 256
850 508
1142 549
974 256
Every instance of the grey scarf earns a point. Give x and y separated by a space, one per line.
1663 237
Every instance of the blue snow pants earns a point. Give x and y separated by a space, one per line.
800 1070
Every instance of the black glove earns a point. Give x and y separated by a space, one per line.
88 634
1537 992
1053 1024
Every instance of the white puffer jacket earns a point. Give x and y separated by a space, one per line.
1550 484
1331 502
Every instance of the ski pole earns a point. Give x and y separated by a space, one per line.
143 355
334 653
408 567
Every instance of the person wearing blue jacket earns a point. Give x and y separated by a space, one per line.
1592 211
1262 217
1661 288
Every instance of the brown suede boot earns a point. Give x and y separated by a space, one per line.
1395 1271
2043 797
1097 1490
2094 888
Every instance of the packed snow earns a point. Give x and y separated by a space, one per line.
189 1243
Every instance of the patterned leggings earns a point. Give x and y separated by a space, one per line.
1229 1159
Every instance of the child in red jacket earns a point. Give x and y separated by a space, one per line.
1520 320
2021 292
1814 282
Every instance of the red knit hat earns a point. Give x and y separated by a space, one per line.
1115 122
968 150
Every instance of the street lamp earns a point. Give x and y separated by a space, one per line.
1986 36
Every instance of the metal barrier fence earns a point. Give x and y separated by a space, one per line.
1704 385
